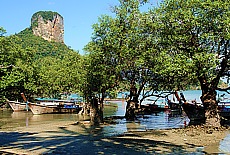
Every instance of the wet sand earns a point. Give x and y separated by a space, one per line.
69 137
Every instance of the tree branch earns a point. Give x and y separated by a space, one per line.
227 90
2 67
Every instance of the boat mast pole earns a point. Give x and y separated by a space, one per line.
24 98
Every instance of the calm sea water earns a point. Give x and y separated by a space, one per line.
189 95
162 120
155 121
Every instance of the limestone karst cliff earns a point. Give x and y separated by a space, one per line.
49 25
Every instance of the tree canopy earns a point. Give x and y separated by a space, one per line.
37 67
180 43
198 32
166 48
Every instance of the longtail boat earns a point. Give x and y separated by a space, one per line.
151 108
224 109
50 105
196 111
54 106
17 106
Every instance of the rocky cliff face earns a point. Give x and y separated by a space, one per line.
49 25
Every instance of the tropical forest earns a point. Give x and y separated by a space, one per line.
179 45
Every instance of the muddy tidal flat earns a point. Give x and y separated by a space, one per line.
70 137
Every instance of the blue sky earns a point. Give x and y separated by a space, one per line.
79 15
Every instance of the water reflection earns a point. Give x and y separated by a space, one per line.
147 122
9 119
162 120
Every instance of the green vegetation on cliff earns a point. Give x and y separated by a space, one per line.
46 15
42 47
37 67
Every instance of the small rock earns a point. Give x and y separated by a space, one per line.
209 131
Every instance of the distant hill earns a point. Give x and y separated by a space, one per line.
40 45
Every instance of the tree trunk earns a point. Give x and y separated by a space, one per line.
95 118
101 110
130 110
132 104
211 108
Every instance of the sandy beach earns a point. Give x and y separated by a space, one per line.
68 137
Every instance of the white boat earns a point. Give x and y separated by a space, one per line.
47 106
18 106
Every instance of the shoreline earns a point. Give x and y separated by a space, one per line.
79 138
190 138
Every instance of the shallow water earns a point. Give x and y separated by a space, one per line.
9 119
162 120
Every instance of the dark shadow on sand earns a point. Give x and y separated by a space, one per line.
94 142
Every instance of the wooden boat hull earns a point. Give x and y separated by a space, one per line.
174 108
150 108
225 114
18 106
195 113
48 109
224 109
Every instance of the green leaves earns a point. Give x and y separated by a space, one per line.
199 31
11 56
2 31
164 48
40 68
